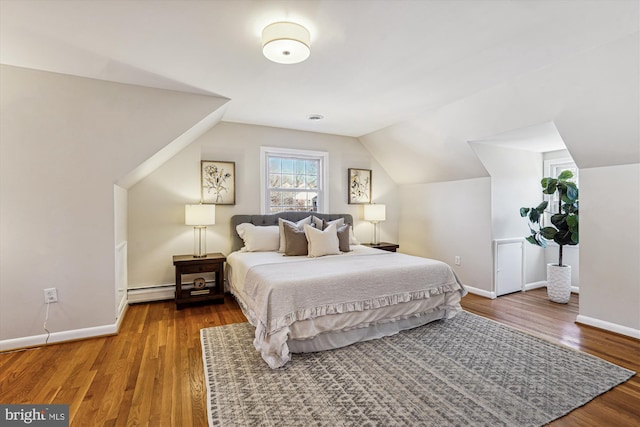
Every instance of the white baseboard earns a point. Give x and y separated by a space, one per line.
608 326
122 309
543 283
71 335
57 337
481 292
121 313
535 285
152 293
527 287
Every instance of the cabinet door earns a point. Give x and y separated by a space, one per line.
508 268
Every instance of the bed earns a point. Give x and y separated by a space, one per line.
328 298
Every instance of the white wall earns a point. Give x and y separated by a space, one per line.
64 141
448 219
120 241
120 220
156 204
515 183
610 247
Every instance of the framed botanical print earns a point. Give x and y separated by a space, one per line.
218 182
359 186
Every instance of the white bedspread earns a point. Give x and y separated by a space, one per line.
277 291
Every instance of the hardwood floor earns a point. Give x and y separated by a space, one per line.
151 372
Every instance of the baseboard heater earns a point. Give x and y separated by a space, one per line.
151 293
155 293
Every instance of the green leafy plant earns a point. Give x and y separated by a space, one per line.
564 229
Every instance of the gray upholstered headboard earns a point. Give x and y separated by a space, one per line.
272 219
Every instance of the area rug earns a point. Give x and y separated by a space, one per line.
467 371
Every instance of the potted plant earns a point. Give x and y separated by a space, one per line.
563 230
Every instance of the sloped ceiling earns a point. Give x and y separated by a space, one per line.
537 138
413 79
592 99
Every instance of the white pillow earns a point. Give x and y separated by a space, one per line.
322 242
299 225
259 239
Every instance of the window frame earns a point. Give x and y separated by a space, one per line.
552 168
323 184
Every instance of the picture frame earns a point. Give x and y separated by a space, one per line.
218 182
359 190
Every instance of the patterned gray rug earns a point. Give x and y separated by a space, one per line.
468 371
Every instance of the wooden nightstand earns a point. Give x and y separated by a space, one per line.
385 246
188 264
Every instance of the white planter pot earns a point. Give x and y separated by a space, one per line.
559 283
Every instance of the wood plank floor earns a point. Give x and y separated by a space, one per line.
151 372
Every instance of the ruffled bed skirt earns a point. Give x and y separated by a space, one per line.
345 324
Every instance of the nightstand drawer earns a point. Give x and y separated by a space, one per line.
200 268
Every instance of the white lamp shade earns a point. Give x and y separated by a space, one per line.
200 214
286 42
374 212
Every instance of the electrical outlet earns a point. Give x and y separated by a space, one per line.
50 295
457 260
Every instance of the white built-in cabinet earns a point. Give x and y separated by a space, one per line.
508 274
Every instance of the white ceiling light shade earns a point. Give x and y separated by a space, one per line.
286 42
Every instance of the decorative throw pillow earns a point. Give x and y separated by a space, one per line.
322 242
343 238
258 239
296 240
321 224
338 222
299 225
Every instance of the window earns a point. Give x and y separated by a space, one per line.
293 180
553 168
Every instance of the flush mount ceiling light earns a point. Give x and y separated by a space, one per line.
286 42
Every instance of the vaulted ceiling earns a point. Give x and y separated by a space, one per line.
396 74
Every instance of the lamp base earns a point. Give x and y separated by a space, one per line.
199 241
376 239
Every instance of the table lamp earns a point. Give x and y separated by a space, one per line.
200 216
374 214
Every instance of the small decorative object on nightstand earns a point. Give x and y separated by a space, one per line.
200 291
385 246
